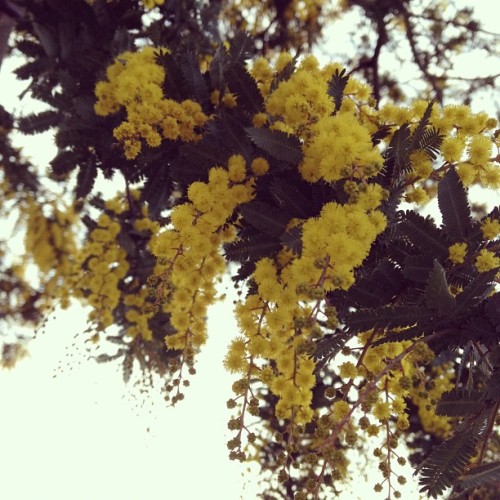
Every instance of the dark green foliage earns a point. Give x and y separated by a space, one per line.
244 87
492 310
232 136
447 461
417 268
476 291
423 233
384 317
85 181
173 83
217 68
418 134
156 191
289 198
328 347
480 475
292 240
285 73
253 248
336 87
404 143
194 161
437 294
454 206
281 146
459 403
38 122
430 142
265 218
241 47
400 148
195 81
380 134
377 288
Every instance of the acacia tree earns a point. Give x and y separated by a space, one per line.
240 153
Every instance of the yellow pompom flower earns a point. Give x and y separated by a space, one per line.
381 410
348 370
452 148
340 409
486 261
457 253
237 168
479 150
259 166
417 195
490 228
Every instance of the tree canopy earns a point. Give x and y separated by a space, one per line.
359 318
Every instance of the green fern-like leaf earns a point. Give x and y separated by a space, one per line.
400 148
417 268
285 73
476 291
64 162
281 146
195 81
481 475
85 180
384 317
446 462
217 68
244 86
292 240
459 403
289 198
251 248
173 85
376 289
38 122
229 131
430 142
157 190
336 87
424 234
454 207
328 347
241 47
437 294
421 128
265 217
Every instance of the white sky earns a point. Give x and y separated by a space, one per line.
81 436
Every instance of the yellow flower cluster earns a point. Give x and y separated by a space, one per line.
302 99
99 267
340 147
188 255
134 82
465 143
102 275
270 335
49 240
351 231
486 260
442 381
278 320
457 253
490 228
